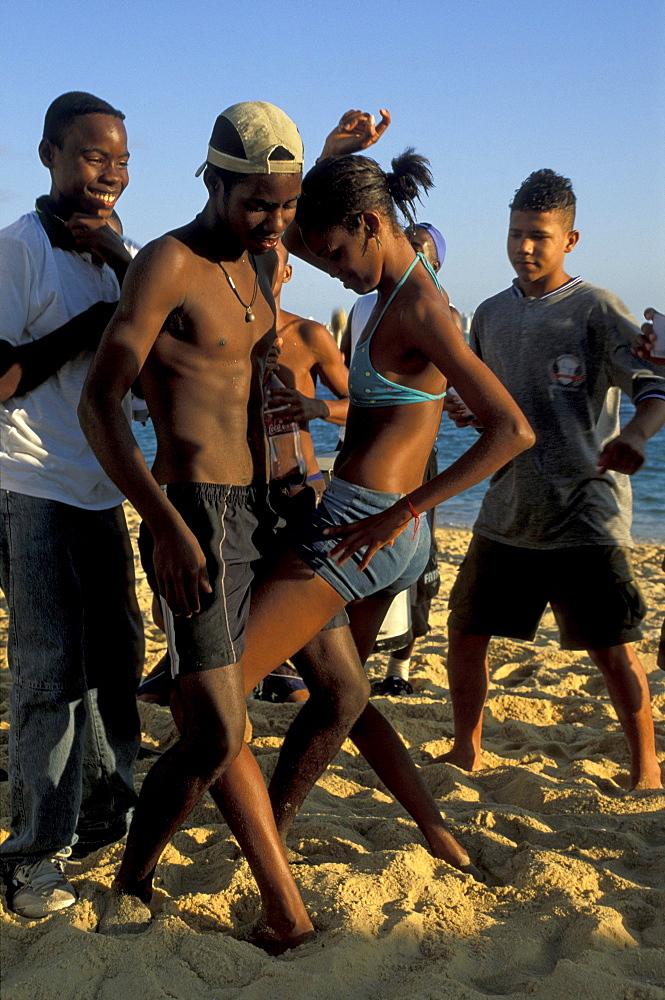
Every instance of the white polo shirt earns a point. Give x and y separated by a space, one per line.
43 451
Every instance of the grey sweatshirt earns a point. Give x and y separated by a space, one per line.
564 358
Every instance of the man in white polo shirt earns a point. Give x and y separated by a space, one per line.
76 641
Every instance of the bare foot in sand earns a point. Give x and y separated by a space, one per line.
124 914
267 940
653 781
474 872
467 759
444 847
650 780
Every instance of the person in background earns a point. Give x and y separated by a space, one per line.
554 526
644 349
308 353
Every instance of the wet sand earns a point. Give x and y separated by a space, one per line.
574 908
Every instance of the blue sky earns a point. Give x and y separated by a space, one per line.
489 90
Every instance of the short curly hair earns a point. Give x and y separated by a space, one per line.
68 107
546 191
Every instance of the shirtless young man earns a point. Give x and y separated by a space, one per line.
197 318
307 352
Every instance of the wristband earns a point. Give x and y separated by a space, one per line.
415 515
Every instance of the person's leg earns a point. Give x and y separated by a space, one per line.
212 725
598 607
403 655
45 652
288 611
114 647
499 590
385 752
628 689
468 681
396 678
209 708
245 805
45 655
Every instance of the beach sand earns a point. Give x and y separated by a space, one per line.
574 908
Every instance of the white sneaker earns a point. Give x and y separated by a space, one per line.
40 888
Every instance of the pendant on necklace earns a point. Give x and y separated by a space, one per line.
249 315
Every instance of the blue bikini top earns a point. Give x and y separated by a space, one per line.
369 388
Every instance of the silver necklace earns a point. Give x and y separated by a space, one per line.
249 315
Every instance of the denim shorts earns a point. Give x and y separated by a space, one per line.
391 570
224 520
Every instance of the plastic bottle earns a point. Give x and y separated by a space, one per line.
287 465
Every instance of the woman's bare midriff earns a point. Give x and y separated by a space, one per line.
387 449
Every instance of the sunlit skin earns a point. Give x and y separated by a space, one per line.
647 339
89 171
292 604
181 325
280 618
307 352
204 356
416 344
537 245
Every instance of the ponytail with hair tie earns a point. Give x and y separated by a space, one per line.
339 189
409 177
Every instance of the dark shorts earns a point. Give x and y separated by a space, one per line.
391 570
420 619
280 513
503 590
224 520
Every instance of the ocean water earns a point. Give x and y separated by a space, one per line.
648 483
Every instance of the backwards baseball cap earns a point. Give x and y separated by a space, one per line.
255 138
437 239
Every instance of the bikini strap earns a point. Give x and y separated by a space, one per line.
431 270
396 289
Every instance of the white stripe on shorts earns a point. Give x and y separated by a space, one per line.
169 629
223 583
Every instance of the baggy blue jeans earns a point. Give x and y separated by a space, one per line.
75 655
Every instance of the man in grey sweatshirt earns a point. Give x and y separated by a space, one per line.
554 527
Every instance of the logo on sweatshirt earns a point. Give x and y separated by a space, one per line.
567 371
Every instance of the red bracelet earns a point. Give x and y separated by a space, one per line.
415 515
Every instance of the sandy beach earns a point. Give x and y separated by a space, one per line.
573 908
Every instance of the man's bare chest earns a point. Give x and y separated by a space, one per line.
214 322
